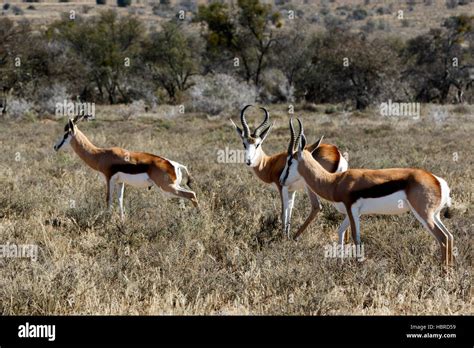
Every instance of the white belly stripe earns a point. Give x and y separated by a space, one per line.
137 180
392 204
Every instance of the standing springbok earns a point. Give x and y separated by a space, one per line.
362 191
269 168
119 167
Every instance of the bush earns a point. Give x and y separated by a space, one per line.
31 7
17 11
132 110
6 6
213 94
359 14
383 10
325 11
311 107
48 96
450 4
334 23
124 3
369 27
383 25
331 109
275 87
188 5
19 108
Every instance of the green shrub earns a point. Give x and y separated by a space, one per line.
124 3
359 14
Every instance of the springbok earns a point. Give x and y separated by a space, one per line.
120 167
362 191
269 168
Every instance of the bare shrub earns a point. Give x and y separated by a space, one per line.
275 87
47 97
450 4
19 108
132 110
214 94
17 11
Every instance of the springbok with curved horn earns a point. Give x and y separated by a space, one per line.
384 191
119 167
269 168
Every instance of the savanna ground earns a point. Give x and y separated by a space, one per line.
228 256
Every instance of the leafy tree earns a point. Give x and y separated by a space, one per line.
358 70
12 37
247 32
440 59
107 46
124 3
173 57
292 54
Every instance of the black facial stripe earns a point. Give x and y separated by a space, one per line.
287 170
62 142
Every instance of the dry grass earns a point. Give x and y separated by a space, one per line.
228 257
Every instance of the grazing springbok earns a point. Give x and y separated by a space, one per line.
362 191
269 168
120 167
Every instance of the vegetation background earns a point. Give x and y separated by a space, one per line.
143 65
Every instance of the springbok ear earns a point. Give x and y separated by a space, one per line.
302 143
266 131
237 129
71 127
313 147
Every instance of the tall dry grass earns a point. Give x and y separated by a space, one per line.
228 256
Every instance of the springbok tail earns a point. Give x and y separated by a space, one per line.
447 211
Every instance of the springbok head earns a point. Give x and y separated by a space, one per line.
297 144
252 141
70 131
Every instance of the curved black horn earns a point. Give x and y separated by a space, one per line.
298 138
263 125
245 125
292 139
